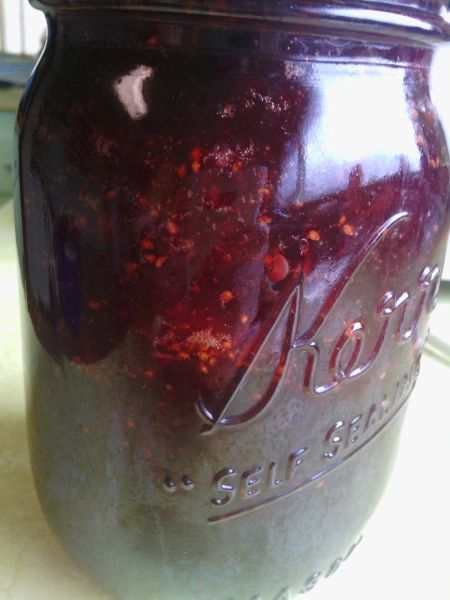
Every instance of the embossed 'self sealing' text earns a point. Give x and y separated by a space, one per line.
255 486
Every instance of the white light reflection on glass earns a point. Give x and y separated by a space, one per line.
361 121
130 91
379 16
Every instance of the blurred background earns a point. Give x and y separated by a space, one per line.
22 28
22 34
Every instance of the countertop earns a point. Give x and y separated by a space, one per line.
406 547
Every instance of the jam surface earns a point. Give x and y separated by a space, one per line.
230 242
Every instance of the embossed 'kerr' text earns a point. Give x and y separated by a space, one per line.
348 357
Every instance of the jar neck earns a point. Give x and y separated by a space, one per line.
419 22
130 32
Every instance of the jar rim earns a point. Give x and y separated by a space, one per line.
420 19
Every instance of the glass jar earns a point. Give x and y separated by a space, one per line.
231 220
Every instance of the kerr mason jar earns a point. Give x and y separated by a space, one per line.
231 222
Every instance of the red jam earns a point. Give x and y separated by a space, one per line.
231 235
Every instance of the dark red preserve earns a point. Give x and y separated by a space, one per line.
231 225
